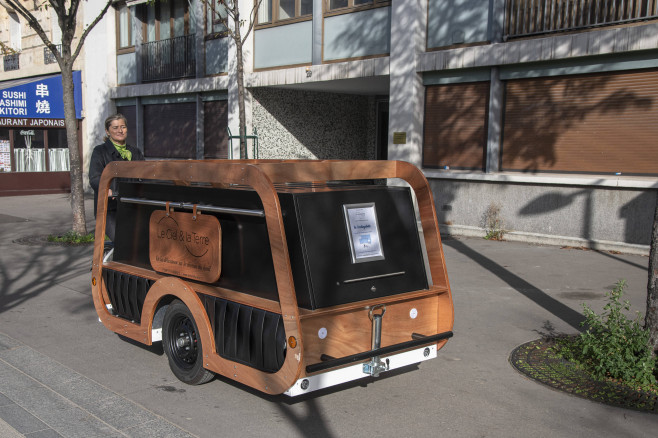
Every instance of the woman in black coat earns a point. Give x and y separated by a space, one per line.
114 149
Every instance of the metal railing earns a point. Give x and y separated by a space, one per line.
48 57
169 59
12 62
536 17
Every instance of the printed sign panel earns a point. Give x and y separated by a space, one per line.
182 245
41 99
5 156
363 232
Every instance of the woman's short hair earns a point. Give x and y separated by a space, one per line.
112 118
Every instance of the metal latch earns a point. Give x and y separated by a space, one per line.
376 365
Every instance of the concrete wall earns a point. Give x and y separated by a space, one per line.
452 22
364 33
216 56
589 214
295 124
283 45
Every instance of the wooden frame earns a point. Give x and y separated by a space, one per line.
434 303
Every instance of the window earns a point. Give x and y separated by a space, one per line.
14 31
126 37
279 10
455 129
340 4
214 10
165 20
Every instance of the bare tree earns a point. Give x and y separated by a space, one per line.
651 316
228 13
67 14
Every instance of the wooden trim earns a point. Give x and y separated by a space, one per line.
284 22
351 9
361 305
356 58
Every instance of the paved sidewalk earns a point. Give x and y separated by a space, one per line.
63 374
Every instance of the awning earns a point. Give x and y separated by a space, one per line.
135 2
39 97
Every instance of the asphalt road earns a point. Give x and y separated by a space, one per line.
63 374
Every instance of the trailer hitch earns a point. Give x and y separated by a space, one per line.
376 365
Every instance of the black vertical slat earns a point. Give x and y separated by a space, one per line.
132 297
280 342
142 290
209 307
243 328
269 342
230 327
125 296
109 285
256 337
118 285
220 316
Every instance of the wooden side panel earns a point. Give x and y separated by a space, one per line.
349 333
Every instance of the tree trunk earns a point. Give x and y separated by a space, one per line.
240 78
651 317
77 192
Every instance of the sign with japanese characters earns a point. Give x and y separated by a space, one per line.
363 232
41 99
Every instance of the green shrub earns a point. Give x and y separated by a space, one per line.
72 237
612 346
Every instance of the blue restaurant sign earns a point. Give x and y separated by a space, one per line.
41 98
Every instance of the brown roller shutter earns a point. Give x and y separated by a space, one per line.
215 122
455 127
601 123
170 130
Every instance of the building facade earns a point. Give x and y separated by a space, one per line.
34 154
536 116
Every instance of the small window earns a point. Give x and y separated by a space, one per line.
126 37
341 4
215 13
14 31
280 10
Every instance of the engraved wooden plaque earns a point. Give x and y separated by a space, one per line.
185 246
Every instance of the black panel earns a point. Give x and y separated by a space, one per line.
246 257
127 293
318 243
320 252
247 335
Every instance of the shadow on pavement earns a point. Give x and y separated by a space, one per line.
565 313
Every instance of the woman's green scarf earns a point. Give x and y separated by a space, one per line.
123 151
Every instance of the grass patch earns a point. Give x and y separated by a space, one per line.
71 238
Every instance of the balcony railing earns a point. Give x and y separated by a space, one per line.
536 17
169 59
48 57
12 62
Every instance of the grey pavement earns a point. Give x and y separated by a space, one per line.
63 374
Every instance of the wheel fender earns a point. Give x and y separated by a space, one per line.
180 289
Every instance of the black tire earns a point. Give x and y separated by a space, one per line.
182 345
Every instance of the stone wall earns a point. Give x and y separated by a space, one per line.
293 124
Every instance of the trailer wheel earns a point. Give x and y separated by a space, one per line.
182 345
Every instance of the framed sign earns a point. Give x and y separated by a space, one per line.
186 245
363 232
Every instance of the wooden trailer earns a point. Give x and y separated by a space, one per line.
286 276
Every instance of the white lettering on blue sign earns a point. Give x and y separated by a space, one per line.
42 90
43 107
